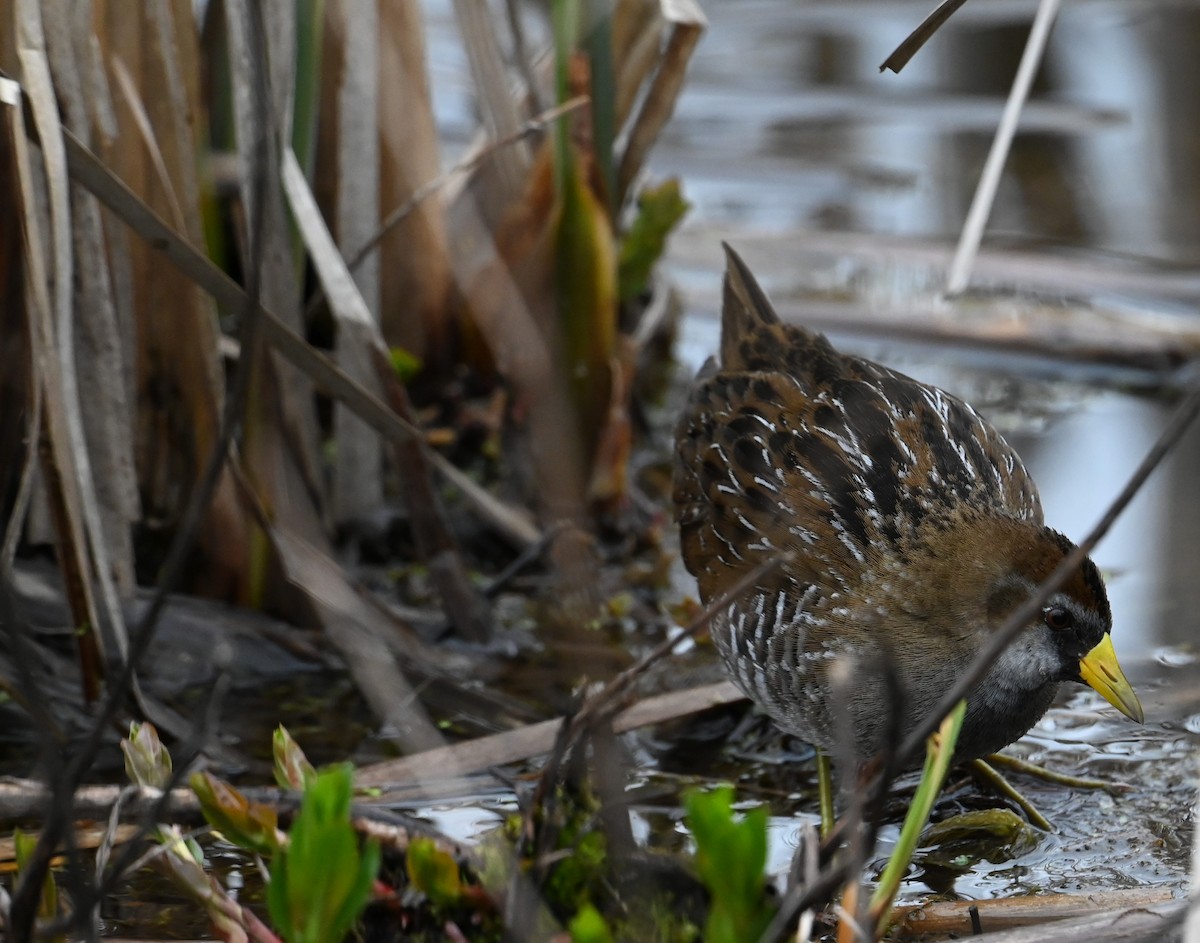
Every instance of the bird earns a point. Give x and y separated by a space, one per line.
875 520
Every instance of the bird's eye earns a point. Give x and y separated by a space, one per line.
1058 618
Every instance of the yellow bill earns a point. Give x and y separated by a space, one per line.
1100 670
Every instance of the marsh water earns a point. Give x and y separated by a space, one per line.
845 189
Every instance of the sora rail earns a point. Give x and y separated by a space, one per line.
913 531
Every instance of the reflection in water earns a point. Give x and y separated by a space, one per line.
1137 182
787 122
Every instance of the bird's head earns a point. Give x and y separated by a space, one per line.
1069 639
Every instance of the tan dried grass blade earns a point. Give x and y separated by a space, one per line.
348 168
356 628
921 35
362 346
512 746
685 24
493 90
174 324
280 442
98 179
415 257
638 28
103 332
66 465
18 380
137 108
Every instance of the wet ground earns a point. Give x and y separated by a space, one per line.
846 189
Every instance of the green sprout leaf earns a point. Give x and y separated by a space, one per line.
588 926
405 363
939 750
434 872
251 825
292 769
23 846
184 861
323 878
731 857
659 211
147 762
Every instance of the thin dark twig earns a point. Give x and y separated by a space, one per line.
597 710
527 557
814 894
920 36
533 126
105 848
892 760
87 898
521 54
802 873
234 408
205 725
522 896
858 825
22 908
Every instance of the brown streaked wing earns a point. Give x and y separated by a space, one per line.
834 464
953 456
743 491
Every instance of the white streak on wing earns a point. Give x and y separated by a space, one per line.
812 480
905 449
742 520
803 533
768 485
847 541
762 419
728 546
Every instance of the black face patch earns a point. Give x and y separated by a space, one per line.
1088 585
1078 638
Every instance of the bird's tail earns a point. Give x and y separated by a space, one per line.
745 307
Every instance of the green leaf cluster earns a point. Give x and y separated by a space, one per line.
575 880
252 825
147 762
731 858
323 878
292 769
660 210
